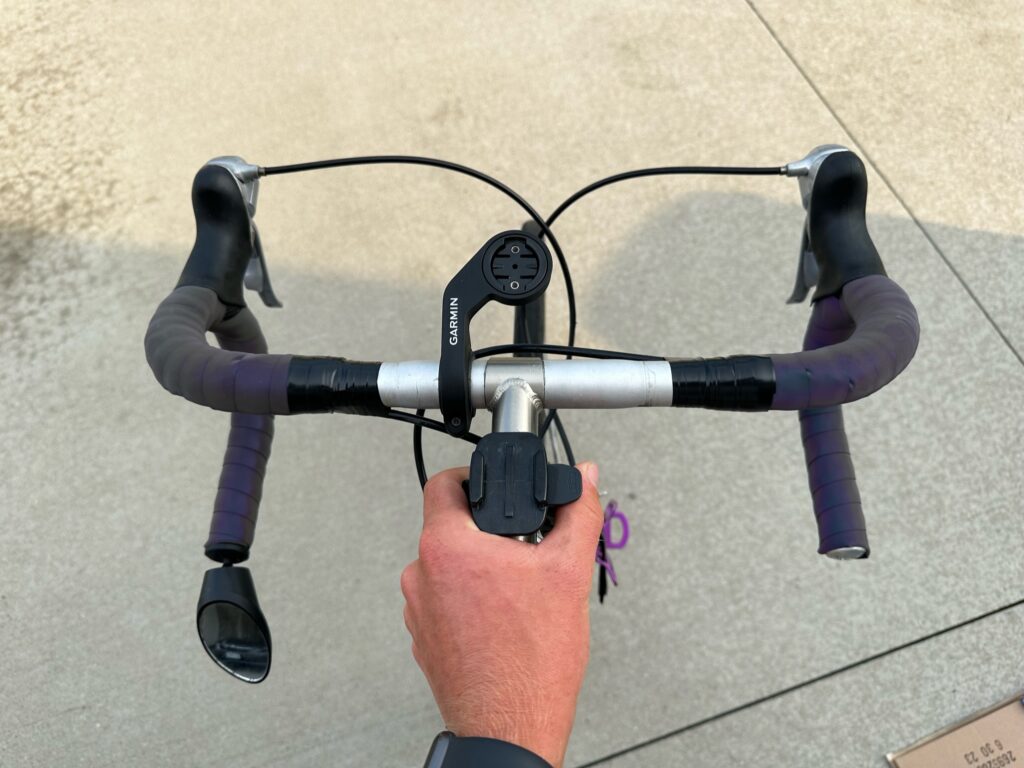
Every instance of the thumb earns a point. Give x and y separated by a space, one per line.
578 525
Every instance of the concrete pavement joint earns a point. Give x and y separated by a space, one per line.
805 683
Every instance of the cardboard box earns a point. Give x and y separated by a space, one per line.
993 738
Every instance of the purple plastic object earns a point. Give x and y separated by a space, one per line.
611 513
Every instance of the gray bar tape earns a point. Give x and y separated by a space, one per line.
240 378
225 379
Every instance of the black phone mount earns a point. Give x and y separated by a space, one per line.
513 268
511 486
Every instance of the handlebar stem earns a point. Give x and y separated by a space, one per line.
515 407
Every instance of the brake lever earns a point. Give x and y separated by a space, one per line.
247 176
257 278
806 271
805 170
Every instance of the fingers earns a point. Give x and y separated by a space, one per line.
409 583
417 656
578 525
444 501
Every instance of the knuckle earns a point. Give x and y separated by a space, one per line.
431 488
417 657
408 581
431 550
434 490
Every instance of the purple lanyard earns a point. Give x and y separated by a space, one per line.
612 513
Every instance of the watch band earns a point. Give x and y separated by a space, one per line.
451 751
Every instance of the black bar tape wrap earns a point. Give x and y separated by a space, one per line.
241 378
740 383
334 385
240 488
832 481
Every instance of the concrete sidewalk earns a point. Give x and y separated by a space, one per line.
108 480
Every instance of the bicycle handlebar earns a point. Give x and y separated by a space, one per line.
873 328
863 332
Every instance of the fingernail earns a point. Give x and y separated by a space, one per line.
591 471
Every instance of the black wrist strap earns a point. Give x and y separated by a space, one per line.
451 751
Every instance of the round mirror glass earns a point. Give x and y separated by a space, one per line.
235 641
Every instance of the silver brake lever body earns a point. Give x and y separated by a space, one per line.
805 170
247 176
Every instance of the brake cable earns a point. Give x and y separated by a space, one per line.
545 231
671 170
418 419
343 162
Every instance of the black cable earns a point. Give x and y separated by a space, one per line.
343 162
419 420
553 416
417 451
565 441
675 170
559 349
546 425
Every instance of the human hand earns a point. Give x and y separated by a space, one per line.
501 627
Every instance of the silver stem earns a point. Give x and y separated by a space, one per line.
515 408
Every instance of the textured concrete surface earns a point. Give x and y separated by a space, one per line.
931 94
864 714
108 481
